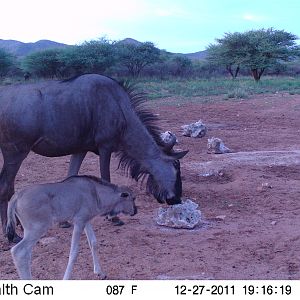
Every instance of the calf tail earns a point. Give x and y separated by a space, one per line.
11 219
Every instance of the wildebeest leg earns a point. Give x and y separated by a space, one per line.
78 228
105 155
11 165
75 163
93 246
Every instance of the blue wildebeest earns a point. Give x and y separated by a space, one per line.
78 199
86 113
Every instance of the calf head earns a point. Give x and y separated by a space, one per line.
125 203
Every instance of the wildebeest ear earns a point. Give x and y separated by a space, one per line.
124 195
178 155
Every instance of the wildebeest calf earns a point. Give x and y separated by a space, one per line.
77 199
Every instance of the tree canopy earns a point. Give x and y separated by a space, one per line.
95 56
6 62
256 50
136 57
44 63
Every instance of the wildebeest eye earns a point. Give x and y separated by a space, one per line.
124 195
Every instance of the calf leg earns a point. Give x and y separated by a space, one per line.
74 250
22 252
93 246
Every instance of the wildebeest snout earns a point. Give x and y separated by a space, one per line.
173 201
134 210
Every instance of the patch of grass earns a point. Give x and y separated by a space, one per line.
237 93
240 88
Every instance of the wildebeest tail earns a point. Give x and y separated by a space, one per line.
11 219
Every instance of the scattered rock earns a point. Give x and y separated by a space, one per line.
184 215
273 223
264 187
195 130
48 240
169 139
216 146
220 218
202 276
213 173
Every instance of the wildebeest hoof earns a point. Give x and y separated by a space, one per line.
16 239
116 221
102 276
65 224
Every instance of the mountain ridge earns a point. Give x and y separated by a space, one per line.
21 49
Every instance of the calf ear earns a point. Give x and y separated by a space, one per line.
124 195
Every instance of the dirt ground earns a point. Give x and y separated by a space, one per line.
249 199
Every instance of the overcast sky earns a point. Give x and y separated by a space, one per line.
175 25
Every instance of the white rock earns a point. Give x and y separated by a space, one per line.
48 240
220 218
169 139
197 129
216 146
184 215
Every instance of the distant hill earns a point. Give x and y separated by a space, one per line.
200 55
196 55
130 41
21 49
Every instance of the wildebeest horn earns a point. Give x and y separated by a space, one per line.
172 155
179 155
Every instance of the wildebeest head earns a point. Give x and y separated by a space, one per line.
159 163
168 190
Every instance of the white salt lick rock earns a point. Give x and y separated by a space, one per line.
184 215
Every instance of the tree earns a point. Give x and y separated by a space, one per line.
44 63
255 49
95 56
6 62
265 48
228 52
89 57
181 65
136 57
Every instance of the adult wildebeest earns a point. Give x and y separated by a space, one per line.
87 113
78 199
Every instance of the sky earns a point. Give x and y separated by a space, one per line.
180 26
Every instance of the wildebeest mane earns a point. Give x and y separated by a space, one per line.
127 163
148 119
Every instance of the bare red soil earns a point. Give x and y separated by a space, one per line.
249 199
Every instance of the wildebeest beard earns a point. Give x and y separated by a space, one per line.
162 195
